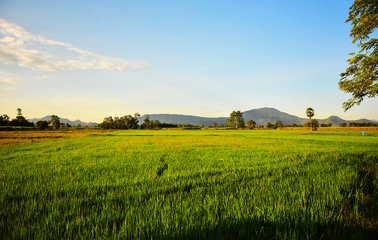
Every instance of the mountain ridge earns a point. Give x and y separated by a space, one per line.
260 115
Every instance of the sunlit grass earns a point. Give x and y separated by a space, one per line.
191 184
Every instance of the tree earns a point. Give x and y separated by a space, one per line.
42 124
314 125
20 120
310 113
215 125
269 125
360 78
250 124
55 121
4 120
278 124
236 119
147 122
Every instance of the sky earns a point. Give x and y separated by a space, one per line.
91 59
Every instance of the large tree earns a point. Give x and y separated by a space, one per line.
55 121
251 124
360 78
310 113
236 119
147 123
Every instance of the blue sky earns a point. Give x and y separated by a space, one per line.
91 59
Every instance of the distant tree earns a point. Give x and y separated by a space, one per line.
55 122
107 123
343 124
250 124
269 125
42 124
236 120
147 122
4 120
155 124
360 78
278 124
310 113
215 125
136 120
326 125
314 125
20 120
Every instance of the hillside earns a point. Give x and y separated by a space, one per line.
261 116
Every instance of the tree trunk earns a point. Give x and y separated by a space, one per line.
311 125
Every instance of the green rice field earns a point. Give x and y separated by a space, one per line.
192 184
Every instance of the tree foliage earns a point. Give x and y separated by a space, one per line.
42 124
360 78
250 124
55 122
310 113
125 122
236 119
20 120
4 120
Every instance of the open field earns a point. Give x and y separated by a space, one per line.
32 136
190 184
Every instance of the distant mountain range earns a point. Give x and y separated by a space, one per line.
65 121
261 116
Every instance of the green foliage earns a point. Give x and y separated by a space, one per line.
310 112
269 125
125 122
236 119
360 78
42 124
4 120
19 121
191 185
278 124
147 123
250 124
55 122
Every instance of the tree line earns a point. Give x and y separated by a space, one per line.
21 121
235 121
132 122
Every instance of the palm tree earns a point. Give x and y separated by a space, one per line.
310 114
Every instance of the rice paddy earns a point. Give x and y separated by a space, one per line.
191 184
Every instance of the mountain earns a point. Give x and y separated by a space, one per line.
261 116
184 119
65 121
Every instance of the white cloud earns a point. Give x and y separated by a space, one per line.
15 48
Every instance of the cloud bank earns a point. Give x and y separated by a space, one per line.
17 46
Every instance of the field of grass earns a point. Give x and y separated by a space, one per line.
192 184
13 136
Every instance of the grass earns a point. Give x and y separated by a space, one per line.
19 135
192 184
